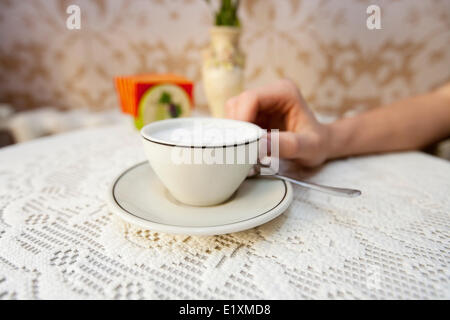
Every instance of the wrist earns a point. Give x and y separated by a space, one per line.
336 139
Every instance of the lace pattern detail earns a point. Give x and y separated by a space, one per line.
59 240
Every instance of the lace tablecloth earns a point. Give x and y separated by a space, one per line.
59 240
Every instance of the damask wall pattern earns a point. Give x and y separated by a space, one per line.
323 45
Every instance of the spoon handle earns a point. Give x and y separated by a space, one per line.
342 192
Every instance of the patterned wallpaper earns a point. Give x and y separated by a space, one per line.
323 45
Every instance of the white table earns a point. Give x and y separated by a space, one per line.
59 240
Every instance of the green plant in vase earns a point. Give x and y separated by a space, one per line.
227 13
223 61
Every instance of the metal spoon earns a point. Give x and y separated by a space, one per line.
341 192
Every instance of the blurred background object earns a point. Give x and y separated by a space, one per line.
152 97
28 125
324 46
223 60
6 137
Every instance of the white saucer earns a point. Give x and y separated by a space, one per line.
138 197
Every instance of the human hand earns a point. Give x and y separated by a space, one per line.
280 105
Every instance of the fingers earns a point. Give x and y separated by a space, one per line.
304 147
281 144
243 107
277 97
280 106
280 95
288 145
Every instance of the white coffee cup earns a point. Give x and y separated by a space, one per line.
201 161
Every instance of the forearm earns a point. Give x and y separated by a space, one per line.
404 125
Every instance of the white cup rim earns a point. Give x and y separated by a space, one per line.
146 132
